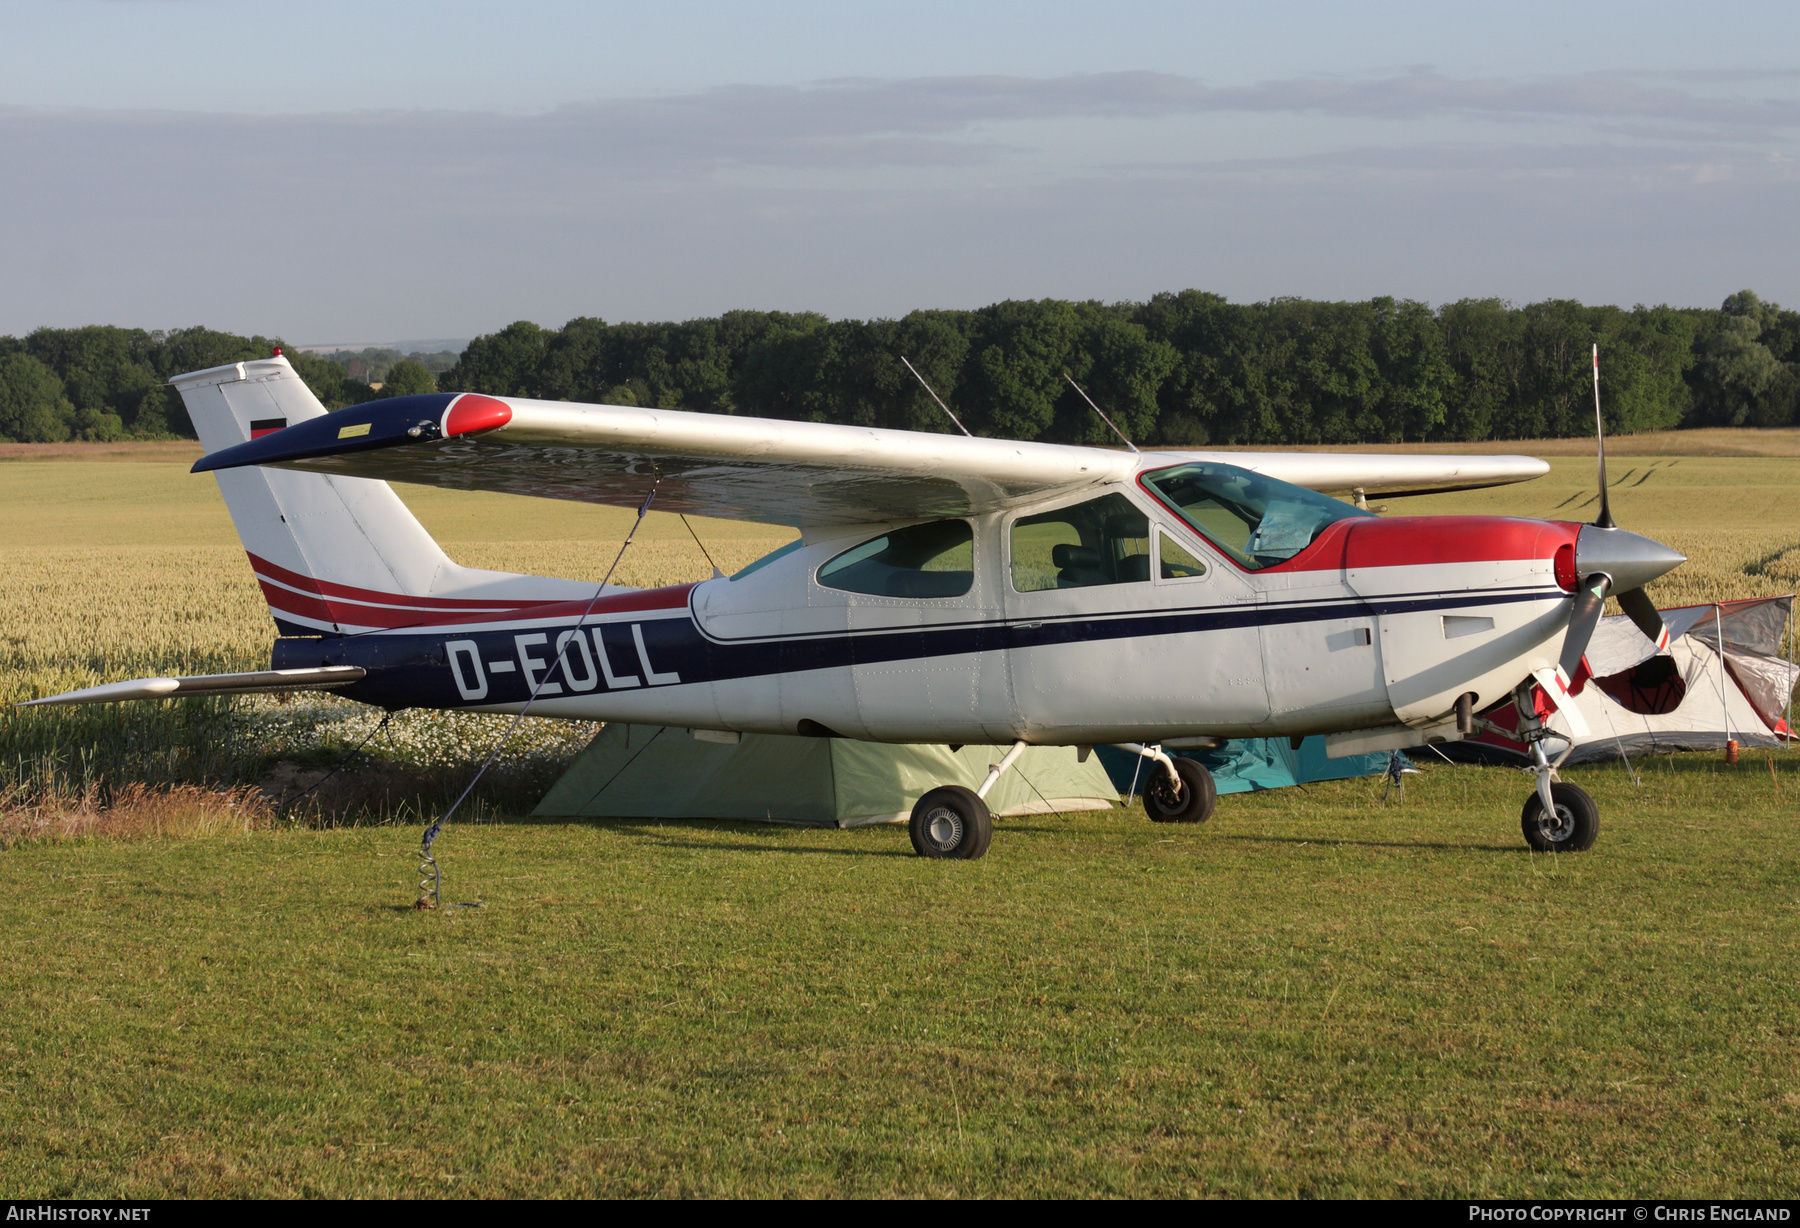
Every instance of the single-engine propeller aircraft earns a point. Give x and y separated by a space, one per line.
944 588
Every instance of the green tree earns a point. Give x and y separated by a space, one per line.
33 408
777 364
1483 345
506 363
937 343
1199 402
328 380
1645 354
1123 370
1739 377
105 373
1015 374
407 378
576 365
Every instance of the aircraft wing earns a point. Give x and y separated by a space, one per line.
772 471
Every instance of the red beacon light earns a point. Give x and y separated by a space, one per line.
276 353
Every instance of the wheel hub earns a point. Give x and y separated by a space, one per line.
944 827
1559 826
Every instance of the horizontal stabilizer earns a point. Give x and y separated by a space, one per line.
324 678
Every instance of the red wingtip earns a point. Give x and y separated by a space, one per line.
472 413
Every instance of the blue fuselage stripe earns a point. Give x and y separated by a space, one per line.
410 669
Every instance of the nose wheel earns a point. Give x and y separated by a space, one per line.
1571 827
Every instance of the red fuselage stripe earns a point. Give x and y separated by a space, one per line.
358 614
326 588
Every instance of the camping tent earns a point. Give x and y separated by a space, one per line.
655 772
1245 765
1721 677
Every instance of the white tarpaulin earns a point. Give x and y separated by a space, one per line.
1722 677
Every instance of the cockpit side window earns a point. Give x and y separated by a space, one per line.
936 559
1102 541
1256 520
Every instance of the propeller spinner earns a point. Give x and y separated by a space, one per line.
1610 561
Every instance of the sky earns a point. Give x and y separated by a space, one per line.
363 173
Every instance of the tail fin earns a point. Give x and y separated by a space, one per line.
337 555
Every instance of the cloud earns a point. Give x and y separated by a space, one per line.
857 124
861 197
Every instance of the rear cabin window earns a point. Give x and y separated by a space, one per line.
1102 541
923 560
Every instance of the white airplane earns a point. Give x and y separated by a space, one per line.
944 589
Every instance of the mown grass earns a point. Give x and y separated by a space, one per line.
1315 994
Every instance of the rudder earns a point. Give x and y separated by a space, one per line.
335 554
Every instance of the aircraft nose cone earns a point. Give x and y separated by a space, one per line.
1632 561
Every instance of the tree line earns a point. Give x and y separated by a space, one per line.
1184 369
105 383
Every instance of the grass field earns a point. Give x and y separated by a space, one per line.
1315 994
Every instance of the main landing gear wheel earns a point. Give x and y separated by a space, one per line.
951 822
1193 802
1574 827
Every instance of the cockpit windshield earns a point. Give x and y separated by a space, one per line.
1255 519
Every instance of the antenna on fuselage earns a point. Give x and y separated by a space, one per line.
936 397
1098 410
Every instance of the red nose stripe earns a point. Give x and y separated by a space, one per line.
473 413
1421 541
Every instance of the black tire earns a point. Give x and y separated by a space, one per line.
950 822
1192 803
1575 827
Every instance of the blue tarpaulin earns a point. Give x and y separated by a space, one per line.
1244 765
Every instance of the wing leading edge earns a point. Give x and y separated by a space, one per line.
760 469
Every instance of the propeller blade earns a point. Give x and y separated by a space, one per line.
1604 520
1590 603
1641 610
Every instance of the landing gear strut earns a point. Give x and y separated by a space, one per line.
1558 817
954 823
1180 792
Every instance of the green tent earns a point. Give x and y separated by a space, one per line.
656 772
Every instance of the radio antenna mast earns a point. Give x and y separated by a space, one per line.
1098 410
936 397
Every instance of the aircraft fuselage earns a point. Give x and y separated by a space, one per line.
1377 622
